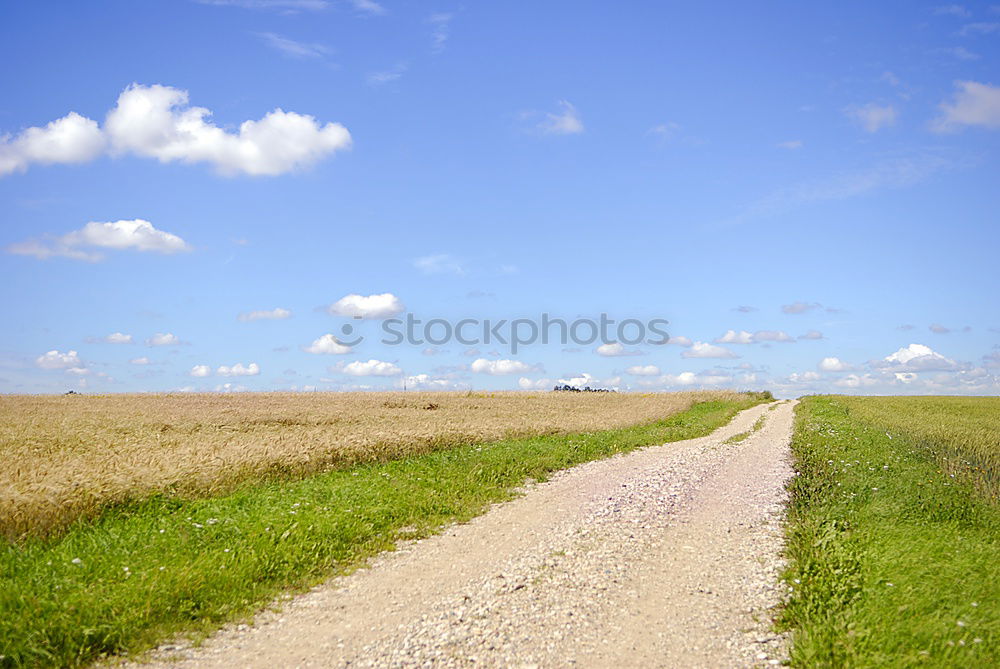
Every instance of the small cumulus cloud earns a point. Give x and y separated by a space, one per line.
367 368
684 342
501 367
376 307
275 314
88 242
937 328
643 370
615 349
200 371
702 349
327 345
524 383
833 365
916 358
163 339
974 104
811 335
252 369
734 337
157 122
57 360
118 338
140 361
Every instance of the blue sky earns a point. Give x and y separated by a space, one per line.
202 195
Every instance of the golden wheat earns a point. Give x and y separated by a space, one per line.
70 456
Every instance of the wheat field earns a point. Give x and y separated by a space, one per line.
67 457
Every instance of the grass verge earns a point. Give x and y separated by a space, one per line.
892 561
144 572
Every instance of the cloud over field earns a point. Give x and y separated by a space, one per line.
88 242
383 305
158 122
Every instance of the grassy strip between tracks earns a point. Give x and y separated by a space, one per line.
894 558
142 573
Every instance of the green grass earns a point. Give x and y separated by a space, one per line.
893 561
743 436
145 572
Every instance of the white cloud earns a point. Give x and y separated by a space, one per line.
567 122
379 306
702 349
368 7
833 365
734 337
812 334
441 30
140 361
252 369
156 122
524 383
856 381
680 341
200 371
327 344
873 117
615 349
441 263
385 76
427 382
163 339
57 360
581 381
118 338
791 144
805 377
292 48
135 235
70 139
799 307
643 370
974 104
771 335
370 368
500 367
916 358
265 315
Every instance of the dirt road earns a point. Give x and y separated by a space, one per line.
664 557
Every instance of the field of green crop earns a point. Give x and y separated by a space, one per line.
893 536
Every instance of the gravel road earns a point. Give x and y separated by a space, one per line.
664 557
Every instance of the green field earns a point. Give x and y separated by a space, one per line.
894 533
143 572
